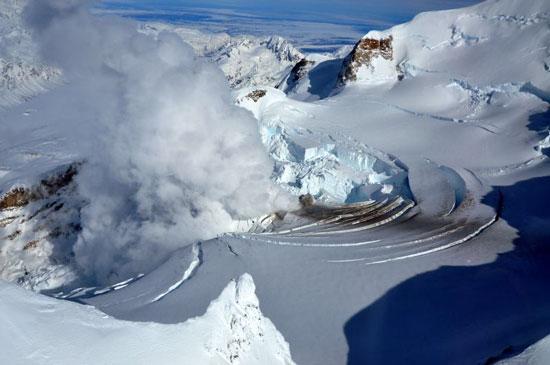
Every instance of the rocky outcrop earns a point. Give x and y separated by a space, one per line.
17 197
20 196
301 69
256 95
362 55
39 225
298 72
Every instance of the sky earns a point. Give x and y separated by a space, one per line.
309 23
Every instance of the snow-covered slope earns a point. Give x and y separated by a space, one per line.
39 225
21 73
255 62
470 46
536 354
41 330
421 155
465 48
245 60
428 284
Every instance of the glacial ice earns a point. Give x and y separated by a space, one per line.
332 169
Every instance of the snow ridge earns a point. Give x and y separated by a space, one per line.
245 60
238 308
195 262
20 80
233 330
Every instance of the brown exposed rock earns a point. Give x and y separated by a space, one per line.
20 196
256 95
362 55
16 197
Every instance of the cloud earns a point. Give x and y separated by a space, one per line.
170 159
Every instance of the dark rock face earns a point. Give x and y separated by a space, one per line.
362 55
300 69
298 72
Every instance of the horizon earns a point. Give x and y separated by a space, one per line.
329 26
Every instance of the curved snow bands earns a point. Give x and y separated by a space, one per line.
422 253
195 262
299 244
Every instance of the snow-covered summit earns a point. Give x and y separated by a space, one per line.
493 43
249 61
371 59
486 43
284 51
245 60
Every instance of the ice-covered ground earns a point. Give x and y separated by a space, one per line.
233 330
334 168
424 147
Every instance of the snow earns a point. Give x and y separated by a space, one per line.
42 330
38 238
111 99
458 125
379 71
245 60
429 175
21 74
536 354
332 168
195 262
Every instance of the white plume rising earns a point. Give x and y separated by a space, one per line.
170 159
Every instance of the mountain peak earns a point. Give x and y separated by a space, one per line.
283 50
366 52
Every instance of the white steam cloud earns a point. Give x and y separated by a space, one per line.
171 160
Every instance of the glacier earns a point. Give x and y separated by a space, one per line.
405 218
